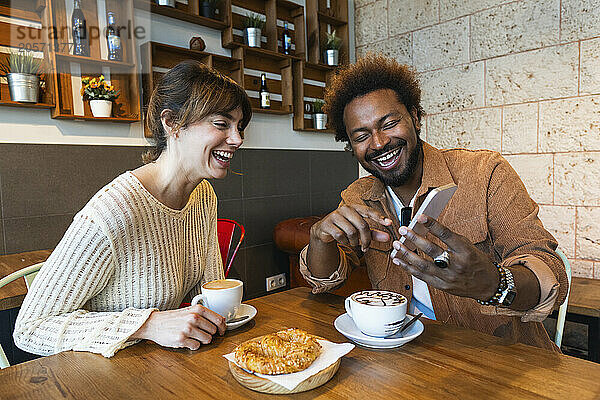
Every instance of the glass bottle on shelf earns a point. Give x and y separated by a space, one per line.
265 96
115 50
286 39
81 44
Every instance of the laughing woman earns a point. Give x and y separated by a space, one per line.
148 238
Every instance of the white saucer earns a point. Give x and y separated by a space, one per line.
245 309
346 326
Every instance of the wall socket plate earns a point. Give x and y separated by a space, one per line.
275 282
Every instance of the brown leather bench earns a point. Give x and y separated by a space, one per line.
292 235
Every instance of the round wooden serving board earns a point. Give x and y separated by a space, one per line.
263 385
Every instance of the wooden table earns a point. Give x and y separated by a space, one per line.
445 362
584 300
584 308
12 295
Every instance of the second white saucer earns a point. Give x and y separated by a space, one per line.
346 326
243 311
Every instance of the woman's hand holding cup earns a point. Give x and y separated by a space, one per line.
187 327
195 325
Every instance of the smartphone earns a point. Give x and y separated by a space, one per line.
434 204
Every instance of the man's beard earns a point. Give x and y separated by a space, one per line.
402 173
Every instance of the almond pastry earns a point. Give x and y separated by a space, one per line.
283 352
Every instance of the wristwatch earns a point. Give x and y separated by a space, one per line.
506 293
510 291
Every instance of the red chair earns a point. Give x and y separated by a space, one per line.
225 233
226 229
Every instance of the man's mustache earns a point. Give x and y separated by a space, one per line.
388 147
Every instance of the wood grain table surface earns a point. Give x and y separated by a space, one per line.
12 295
584 298
445 362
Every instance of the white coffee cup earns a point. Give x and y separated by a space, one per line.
378 313
222 296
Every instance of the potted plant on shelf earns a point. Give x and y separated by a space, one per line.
319 117
332 49
208 8
253 25
23 72
100 94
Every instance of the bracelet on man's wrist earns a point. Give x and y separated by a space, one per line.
506 292
494 300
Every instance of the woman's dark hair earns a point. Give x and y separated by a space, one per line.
192 91
371 73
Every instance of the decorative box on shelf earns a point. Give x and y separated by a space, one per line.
275 14
278 70
190 12
323 17
30 39
120 73
309 85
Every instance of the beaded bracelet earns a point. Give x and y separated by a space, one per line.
495 299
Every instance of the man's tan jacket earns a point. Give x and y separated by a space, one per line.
492 209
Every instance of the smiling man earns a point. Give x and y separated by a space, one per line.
502 273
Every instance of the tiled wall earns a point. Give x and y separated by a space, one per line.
519 77
43 186
276 185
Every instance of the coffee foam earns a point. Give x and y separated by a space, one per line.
377 298
221 284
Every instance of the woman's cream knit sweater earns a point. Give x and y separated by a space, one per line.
124 256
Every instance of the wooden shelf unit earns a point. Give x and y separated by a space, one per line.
261 60
157 57
321 19
16 36
302 90
122 75
245 65
93 61
189 12
9 103
292 13
275 13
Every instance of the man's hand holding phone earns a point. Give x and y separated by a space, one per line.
470 272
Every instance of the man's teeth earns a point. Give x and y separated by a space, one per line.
223 155
387 157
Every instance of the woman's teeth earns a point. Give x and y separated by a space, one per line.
387 159
223 156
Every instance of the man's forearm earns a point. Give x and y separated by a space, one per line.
323 259
528 288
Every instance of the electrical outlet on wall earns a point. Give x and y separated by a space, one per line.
275 282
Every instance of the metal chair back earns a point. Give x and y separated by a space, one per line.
562 310
28 273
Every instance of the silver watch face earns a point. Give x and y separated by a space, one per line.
509 297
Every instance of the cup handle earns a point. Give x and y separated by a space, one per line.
200 299
348 307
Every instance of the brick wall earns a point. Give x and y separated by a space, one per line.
519 77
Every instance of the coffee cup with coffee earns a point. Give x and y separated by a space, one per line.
222 296
378 313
